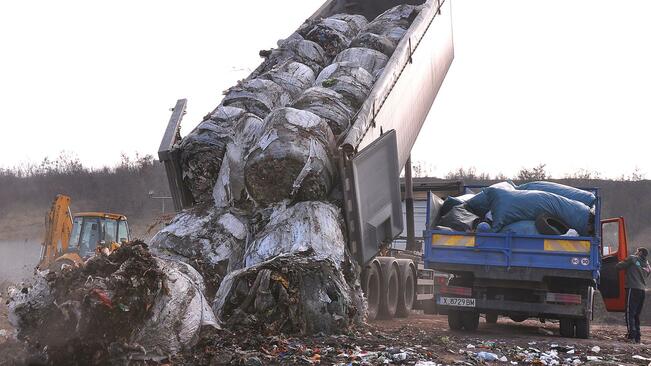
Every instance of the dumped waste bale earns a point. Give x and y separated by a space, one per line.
210 240
313 226
203 149
291 294
329 105
292 159
333 34
375 42
366 58
349 80
295 49
293 77
355 21
99 313
257 96
400 16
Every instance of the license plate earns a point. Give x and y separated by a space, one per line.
457 301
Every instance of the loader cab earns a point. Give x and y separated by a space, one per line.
91 230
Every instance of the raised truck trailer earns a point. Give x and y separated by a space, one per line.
373 151
529 276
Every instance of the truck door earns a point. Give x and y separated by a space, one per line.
613 250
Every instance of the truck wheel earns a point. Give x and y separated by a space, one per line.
567 327
470 320
491 318
389 291
582 328
371 287
407 289
454 320
518 318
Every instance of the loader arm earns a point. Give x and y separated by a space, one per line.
58 226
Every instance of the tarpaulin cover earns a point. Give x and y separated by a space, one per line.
585 197
509 206
448 204
292 159
480 205
460 219
525 227
306 226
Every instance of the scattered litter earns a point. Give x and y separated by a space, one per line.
487 356
596 349
642 358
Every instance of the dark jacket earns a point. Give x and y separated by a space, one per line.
635 274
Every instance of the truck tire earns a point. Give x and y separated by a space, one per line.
491 318
550 225
371 285
470 320
389 287
582 328
518 318
567 327
407 289
454 320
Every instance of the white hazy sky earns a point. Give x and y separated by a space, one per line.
566 83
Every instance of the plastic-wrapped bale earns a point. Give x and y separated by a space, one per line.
210 240
202 151
257 96
306 226
349 80
355 21
297 50
229 190
376 42
291 294
333 34
329 105
400 16
366 58
292 159
93 310
292 76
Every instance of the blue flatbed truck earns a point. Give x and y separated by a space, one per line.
528 276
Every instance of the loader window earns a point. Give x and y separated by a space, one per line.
110 229
89 237
73 244
123 231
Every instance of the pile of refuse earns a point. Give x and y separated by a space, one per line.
533 208
117 307
266 230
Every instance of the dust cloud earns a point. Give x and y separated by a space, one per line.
17 261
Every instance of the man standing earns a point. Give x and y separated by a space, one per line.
637 270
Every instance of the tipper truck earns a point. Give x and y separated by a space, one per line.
372 152
529 276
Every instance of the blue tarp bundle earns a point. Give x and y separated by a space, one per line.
585 197
525 227
480 204
509 206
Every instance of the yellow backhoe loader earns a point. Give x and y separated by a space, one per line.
70 240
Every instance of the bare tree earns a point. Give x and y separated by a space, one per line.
533 174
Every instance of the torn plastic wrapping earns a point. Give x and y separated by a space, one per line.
349 80
291 294
460 219
329 105
27 304
230 189
292 159
211 240
355 21
366 58
375 42
293 77
306 226
295 49
178 315
399 16
257 96
202 151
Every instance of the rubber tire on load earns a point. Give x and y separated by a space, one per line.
407 288
567 327
389 292
549 225
470 320
582 328
454 320
371 285
491 318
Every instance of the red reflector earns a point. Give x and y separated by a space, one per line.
442 281
563 298
455 290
